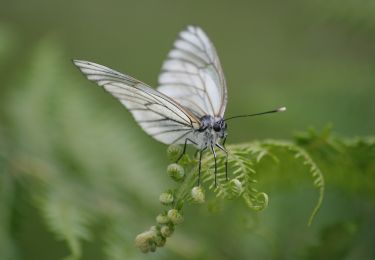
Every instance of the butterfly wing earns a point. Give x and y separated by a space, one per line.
192 74
158 115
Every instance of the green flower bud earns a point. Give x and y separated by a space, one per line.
176 172
162 219
160 241
175 216
145 241
166 230
166 198
174 151
235 188
197 193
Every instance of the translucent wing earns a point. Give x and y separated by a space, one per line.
193 76
158 115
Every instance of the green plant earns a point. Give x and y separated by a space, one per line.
242 162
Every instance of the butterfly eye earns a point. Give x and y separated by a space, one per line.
217 127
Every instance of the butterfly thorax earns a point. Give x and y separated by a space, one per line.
211 129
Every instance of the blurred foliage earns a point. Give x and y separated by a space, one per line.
79 178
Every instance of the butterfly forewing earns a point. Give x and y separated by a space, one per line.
159 116
192 74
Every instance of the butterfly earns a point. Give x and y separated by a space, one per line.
188 106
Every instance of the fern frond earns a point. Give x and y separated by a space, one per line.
242 160
301 154
70 223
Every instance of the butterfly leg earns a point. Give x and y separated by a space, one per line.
224 139
184 150
226 159
214 154
200 164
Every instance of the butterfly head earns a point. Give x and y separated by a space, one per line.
215 125
220 127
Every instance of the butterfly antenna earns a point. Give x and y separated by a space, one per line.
281 109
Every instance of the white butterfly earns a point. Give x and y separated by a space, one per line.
189 105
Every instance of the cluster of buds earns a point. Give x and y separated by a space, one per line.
157 235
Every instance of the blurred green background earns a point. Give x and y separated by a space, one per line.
67 144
